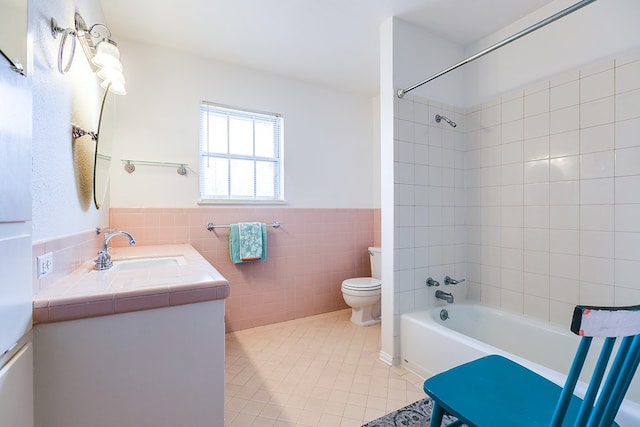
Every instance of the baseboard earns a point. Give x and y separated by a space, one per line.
386 358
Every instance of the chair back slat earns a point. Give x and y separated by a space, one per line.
570 384
595 382
611 323
623 381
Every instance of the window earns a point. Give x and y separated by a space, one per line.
240 154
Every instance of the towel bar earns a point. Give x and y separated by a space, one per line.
211 226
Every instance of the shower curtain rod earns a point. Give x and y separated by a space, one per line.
401 92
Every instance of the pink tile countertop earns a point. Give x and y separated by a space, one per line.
88 293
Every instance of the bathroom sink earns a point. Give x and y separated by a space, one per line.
148 262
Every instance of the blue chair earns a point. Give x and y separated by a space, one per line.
494 391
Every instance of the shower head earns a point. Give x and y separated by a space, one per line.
446 119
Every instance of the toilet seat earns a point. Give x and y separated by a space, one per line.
362 284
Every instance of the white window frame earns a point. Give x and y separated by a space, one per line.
206 153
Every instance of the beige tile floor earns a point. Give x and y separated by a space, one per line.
317 371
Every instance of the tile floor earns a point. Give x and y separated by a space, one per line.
316 371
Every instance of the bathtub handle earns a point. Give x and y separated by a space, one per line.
449 281
431 282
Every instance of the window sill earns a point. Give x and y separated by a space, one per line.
206 202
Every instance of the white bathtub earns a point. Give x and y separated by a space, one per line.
429 345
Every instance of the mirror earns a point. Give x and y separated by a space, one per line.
104 146
13 31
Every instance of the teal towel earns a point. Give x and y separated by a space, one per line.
248 242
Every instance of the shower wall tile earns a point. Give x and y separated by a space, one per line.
536 103
628 161
626 189
512 108
564 193
565 95
627 77
564 144
597 165
596 68
569 200
565 120
597 191
596 86
597 217
627 218
627 105
596 113
597 270
596 294
532 198
598 138
535 149
564 168
564 217
536 126
564 79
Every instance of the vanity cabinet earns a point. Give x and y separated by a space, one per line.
16 389
162 367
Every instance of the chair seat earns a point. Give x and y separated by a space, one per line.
526 398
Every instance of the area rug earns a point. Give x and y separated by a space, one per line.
418 414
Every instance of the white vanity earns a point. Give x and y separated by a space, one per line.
141 344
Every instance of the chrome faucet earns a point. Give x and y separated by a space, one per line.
448 297
449 281
103 262
432 282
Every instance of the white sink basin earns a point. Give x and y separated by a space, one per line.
147 263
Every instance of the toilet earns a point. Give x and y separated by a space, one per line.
362 294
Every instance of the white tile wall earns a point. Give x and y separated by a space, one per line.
570 204
533 197
430 188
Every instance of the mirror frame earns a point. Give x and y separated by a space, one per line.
98 203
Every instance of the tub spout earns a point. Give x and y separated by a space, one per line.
448 297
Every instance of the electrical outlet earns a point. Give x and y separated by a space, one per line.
45 264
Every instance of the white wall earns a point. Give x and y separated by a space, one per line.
59 207
329 147
597 31
419 54
420 233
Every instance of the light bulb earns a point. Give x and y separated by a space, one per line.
110 73
107 54
114 86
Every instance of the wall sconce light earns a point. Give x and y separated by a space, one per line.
100 50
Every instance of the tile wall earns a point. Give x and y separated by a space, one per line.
553 177
534 198
430 202
69 253
308 257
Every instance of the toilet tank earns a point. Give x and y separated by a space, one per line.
375 256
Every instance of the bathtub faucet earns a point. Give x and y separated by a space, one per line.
449 281
103 262
432 282
448 297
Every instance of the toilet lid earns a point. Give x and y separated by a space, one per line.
362 284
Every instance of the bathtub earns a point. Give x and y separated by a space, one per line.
430 345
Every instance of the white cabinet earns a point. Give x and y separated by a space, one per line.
15 283
162 367
16 389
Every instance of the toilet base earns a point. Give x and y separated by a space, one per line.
367 315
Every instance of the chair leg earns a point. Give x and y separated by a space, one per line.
436 415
